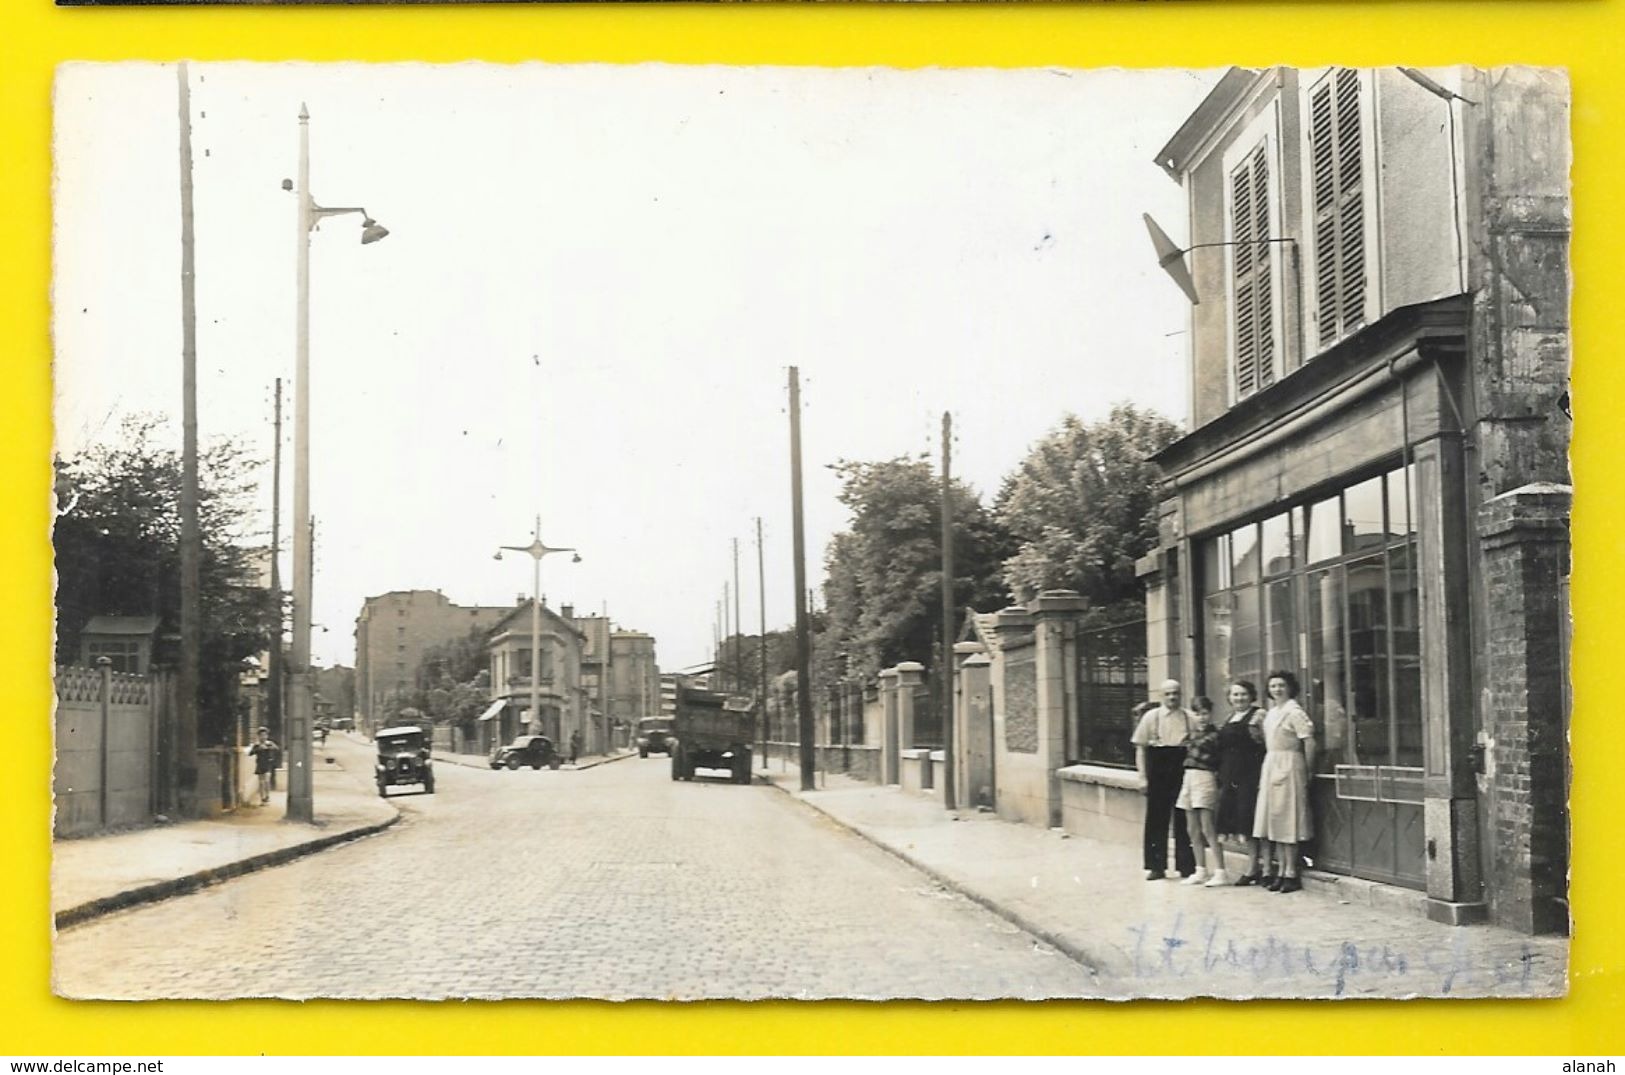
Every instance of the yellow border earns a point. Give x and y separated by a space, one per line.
1582 35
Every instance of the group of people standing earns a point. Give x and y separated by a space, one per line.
1246 778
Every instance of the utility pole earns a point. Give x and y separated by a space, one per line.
184 758
728 678
804 713
761 648
949 800
739 631
273 683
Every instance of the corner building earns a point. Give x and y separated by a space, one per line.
1375 492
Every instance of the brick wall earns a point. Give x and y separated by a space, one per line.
1525 539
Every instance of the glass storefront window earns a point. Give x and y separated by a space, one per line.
1217 625
1244 556
1368 657
1404 619
1277 545
1362 515
1216 564
1280 625
1401 498
1327 688
1325 531
1246 643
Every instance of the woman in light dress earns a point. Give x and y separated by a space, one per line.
1282 816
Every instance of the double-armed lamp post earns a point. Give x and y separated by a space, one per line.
536 550
300 694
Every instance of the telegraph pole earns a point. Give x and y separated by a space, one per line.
804 714
949 800
738 665
273 683
761 598
728 677
184 758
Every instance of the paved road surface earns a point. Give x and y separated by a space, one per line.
608 882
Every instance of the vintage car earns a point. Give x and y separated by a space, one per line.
403 758
654 736
532 750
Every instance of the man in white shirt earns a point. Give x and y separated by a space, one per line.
1159 755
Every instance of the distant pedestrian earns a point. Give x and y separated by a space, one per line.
1199 796
1283 816
1159 756
267 756
575 746
1241 754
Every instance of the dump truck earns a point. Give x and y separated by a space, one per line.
711 730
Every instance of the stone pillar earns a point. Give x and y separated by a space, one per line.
910 676
890 771
964 651
975 745
1162 642
1525 536
1017 780
1055 613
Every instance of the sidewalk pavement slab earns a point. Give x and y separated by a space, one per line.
96 875
1164 939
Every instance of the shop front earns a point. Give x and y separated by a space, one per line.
1322 525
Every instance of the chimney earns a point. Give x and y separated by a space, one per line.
567 611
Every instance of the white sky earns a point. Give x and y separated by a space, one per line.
595 280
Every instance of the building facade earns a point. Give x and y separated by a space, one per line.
1374 491
563 700
393 631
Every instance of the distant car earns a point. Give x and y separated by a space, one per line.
532 750
403 758
343 724
654 736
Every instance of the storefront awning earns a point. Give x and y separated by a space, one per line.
493 709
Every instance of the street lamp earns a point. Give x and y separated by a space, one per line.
536 550
301 701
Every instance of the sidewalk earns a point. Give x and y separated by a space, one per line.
96 875
1164 939
483 761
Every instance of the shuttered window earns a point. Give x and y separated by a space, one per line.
1252 285
1336 176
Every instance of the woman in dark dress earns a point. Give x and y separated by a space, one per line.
1241 755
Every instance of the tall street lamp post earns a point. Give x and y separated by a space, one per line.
300 694
536 549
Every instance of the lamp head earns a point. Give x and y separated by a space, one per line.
576 559
498 555
372 231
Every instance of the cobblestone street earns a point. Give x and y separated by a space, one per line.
610 882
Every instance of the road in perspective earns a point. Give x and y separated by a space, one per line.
613 882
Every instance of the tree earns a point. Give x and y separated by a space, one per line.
117 546
883 574
453 683
1082 506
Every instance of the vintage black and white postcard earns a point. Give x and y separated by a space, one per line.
722 532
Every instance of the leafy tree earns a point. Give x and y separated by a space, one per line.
1082 506
457 660
117 542
883 574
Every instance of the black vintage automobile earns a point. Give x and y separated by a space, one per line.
654 736
403 758
532 750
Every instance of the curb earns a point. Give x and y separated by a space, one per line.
1068 948
180 886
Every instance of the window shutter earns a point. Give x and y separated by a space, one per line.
1336 171
1252 288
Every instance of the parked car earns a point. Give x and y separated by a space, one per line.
532 750
654 736
403 758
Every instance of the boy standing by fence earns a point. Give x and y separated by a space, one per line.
266 755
